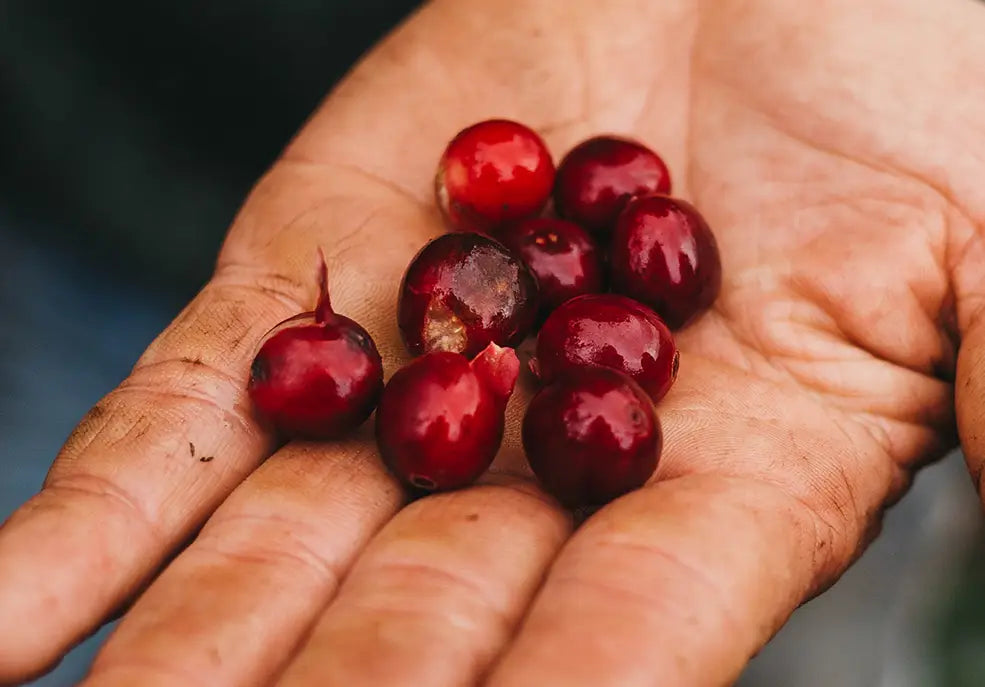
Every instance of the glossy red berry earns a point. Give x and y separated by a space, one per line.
599 175
493 172
462 292
317 375
562 256
612 331
592 436
664 254
440 420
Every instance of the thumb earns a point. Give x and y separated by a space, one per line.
970 374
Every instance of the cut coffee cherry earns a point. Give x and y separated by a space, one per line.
462 292
562 256
317 375
440 420
664 254
598 176
591 436
493 172
612 331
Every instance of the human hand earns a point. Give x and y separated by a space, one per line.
835 148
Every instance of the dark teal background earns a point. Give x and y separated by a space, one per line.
132 130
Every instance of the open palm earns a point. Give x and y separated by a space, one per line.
838 151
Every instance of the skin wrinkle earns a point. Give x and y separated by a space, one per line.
236 413
652 549
249 258
295 531
759 351
113 418
191 373
374 178
274 283
806 291
220 309
105 490
834 563
145 669
970 292
294 552
341 245
445 578
88 431
798 286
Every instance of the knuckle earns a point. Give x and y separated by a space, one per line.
420 590
184 385
111 495
269 541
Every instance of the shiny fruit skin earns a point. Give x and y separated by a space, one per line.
316 375
493 172
612 331
598 176
592 436
440 420
317 380
462 292
562 256
664 254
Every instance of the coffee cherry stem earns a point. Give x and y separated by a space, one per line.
323 309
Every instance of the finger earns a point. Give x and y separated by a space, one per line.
437 593
126 487
970 374
232 607
161 451
681 582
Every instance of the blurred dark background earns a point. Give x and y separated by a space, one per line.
132 130
129 135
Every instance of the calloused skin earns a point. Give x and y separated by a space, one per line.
837 149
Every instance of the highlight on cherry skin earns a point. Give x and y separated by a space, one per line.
316 375
440 420
598 176
612 331
463 291
562 256
493 172
664 254
591 436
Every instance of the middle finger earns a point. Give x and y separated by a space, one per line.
233 606
437 592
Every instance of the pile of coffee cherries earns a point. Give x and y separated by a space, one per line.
602 280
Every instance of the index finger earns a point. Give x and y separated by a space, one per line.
159 453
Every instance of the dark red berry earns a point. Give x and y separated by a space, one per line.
462 292
592 436
612 331
663 254
440 420
317 375
562 256
599 175
493 172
